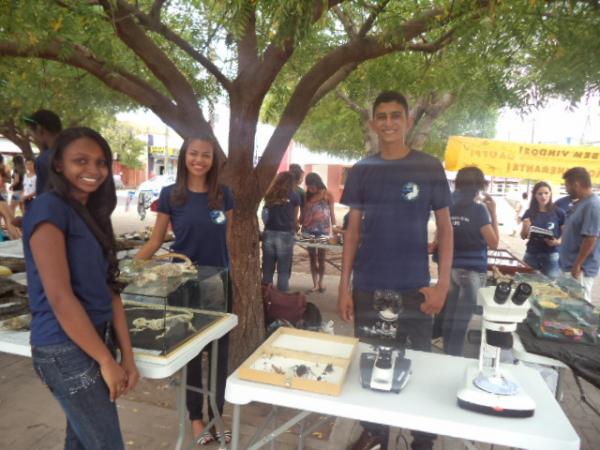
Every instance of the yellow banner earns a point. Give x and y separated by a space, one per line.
516 160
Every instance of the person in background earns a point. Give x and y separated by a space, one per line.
18 176
283 203
44 127
565 203
520 207
71 262
391 195
28 184
200 209
298 174
579 250
542 254
318 217
4 178
475 229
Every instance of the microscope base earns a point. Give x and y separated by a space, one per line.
475 399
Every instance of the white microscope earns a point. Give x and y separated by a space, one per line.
490 388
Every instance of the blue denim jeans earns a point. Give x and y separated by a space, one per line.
547 263
278 250
459 308
74 379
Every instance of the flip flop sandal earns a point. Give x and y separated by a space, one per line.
226 435
205 438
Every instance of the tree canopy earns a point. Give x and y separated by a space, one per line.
31 84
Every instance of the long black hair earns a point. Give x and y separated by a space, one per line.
313 179
100 204
215 190
534 206
19 165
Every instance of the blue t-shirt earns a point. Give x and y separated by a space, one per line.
87 268
282 217
200 233
582 221
42 171
553 221
396 198
470 247
565 203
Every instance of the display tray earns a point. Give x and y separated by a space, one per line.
160 330
506 262
299 359
14 305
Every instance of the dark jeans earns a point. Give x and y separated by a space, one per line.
547 263
278 250
74 379
414 331
459 308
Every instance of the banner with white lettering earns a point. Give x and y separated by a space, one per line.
516 160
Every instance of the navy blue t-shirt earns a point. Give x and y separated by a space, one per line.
396 198
470 247
553 221
87 268
42 171
200 233
282 217
565 203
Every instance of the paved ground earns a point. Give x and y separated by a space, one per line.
31 420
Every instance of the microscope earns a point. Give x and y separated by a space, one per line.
490 388
386 368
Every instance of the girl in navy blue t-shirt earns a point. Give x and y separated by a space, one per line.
542 253
200 212
71 272
283 203
475 229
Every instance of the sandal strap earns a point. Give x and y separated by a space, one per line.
226 435
205 438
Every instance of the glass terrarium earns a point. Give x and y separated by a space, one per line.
167 303
564 318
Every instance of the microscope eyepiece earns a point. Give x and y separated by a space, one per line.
502 292
522 293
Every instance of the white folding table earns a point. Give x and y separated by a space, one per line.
428 403
155 366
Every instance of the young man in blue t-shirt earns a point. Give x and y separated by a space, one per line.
391 195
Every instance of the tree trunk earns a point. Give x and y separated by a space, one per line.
244 242
10 131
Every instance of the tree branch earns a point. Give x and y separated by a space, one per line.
333 81
151 54
153 23
366 27
346 21
156 9
362 111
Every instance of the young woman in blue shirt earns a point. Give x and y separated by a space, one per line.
542 253
475 228
76 310
200 211
283 203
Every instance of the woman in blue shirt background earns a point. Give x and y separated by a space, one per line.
200 212
542 254
71 266
475 229
283 203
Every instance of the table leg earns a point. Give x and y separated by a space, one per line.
235 437
181 408
212 393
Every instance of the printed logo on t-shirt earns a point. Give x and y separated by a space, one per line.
217 217
410 191
550 226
